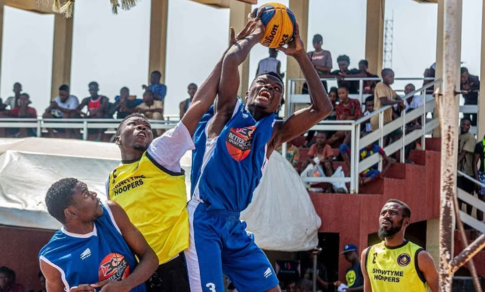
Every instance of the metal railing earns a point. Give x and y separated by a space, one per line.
358 142
83 124
471 200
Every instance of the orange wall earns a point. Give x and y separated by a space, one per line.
18 251
356 216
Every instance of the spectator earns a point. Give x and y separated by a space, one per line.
13 101
343 64
8 281
347 109
368 84
63 106
413 101
42 283
353 275
270 64
292 153
125 104
152 109
466 149
470 85
333 97
321 60
323 151
24 111
369 108
98 106
322 275
479 159
159 90
184 105
384 95
292 286
372 172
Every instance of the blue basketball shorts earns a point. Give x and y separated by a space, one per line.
219 244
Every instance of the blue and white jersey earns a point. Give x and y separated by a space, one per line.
89 258
226 170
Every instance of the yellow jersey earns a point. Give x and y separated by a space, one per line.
155 200
395 269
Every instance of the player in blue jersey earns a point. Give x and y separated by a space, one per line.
94 249
233 142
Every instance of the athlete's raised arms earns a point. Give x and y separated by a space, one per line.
205 95
320 107
229 78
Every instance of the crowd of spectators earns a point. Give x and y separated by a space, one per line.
95 106
8 282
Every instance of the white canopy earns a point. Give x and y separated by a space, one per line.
281 215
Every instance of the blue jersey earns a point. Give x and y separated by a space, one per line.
89 258
227 170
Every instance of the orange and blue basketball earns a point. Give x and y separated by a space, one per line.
280 25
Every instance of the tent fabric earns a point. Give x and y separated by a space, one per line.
282 216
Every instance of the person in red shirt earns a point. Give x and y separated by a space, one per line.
347 109
323 151
24 111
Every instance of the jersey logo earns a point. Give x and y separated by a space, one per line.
86 254
268 273
351 277
239 142
374 258
113 267
403 259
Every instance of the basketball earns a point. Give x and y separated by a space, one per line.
113 267
280 25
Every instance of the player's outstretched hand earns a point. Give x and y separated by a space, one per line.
111 286
295 47
256 18
83 288
250 25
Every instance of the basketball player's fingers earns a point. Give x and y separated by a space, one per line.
252 13
100 284
233 35
297 31
260 12
281 49
82 288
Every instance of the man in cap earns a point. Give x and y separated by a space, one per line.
353 275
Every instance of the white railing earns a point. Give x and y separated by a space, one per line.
471 200
358 142
84 124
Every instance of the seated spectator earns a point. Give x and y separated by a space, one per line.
369 108
323 151
13 101
321 60
125 104
368 84
23 111
479 159
333 97
63 106
270 64
97 108
184 105
150 108
412 102
343 64
159 90
372 172
292 154
347 109
384 95
8 281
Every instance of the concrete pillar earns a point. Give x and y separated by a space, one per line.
158 37
238 17
2 6
374 35
481 100
300 10
62 53
439 54
433 239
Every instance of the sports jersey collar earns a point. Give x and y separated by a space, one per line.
130 161
396 247
87 235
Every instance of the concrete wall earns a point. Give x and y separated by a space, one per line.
18 251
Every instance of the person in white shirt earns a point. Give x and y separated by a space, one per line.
63 106
412 102
270 64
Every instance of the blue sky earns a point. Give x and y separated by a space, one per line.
113 49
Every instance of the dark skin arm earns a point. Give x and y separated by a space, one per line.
229 76
205 95
320 107
367 286
387 164
462 155
278 70
476 159
386 101
427 267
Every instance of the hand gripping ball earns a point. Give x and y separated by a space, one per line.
280 25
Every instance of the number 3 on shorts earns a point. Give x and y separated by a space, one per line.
211 286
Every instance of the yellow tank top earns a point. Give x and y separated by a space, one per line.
154 199
395 269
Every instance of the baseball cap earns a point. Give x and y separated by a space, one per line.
349 247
